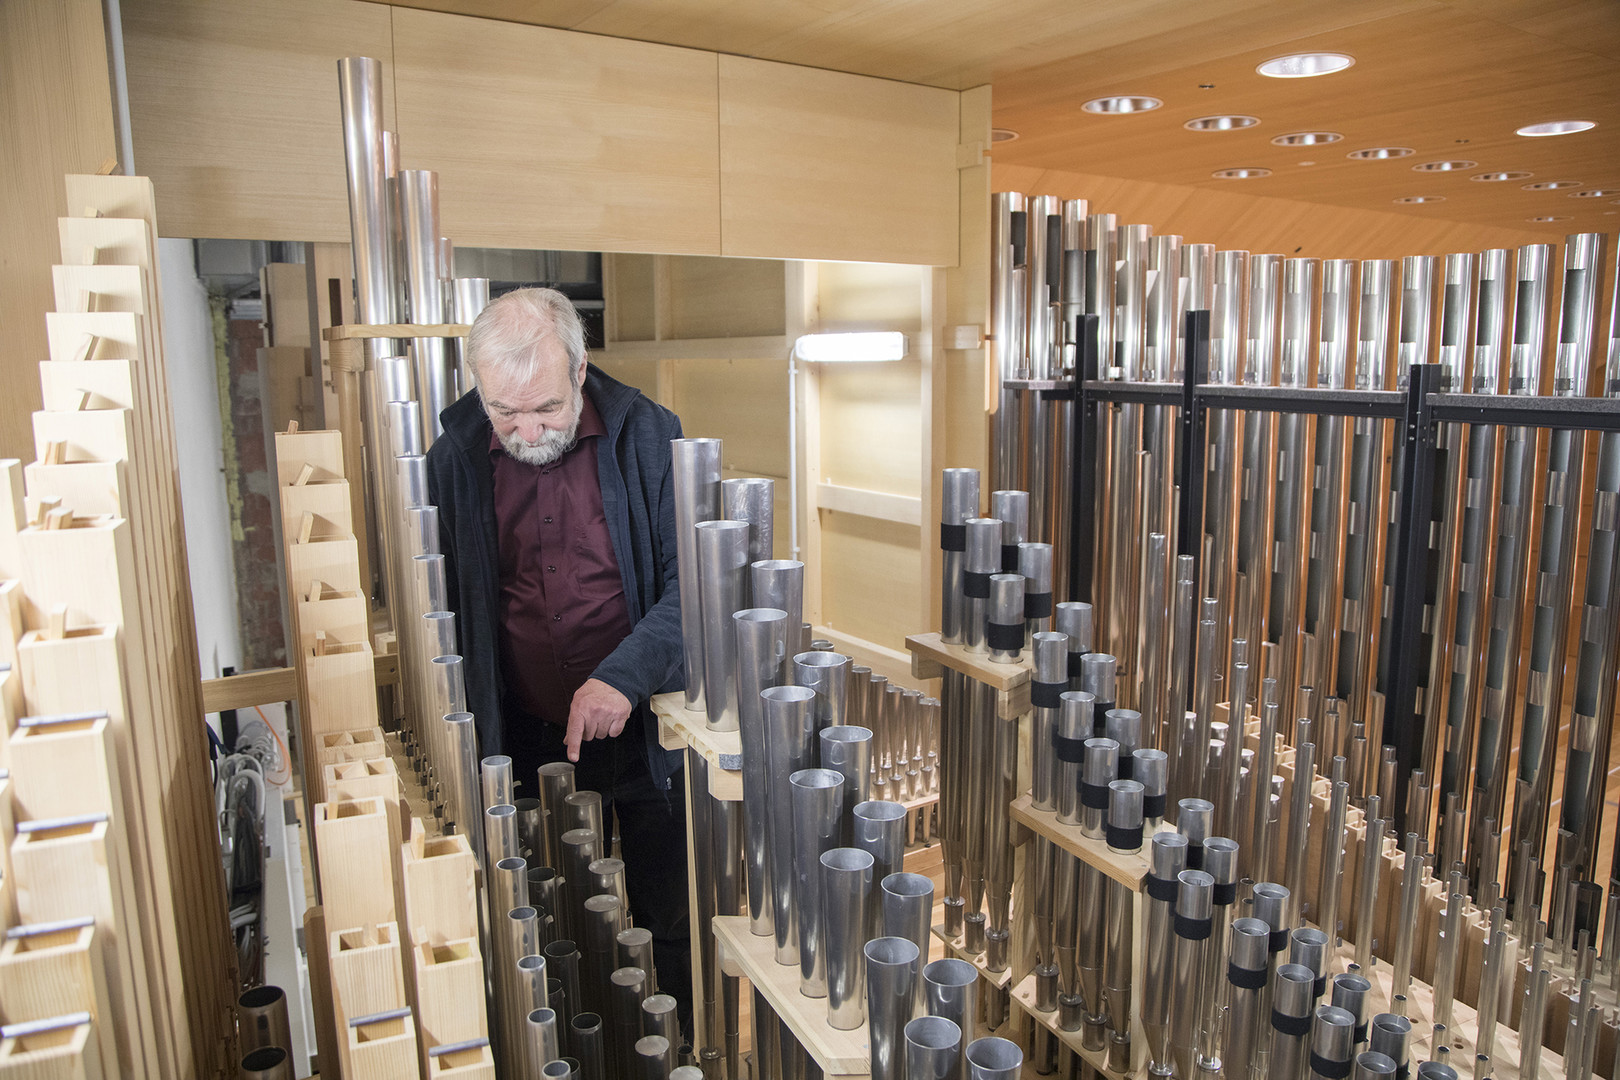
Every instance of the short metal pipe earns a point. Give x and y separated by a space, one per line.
933 1048
893 968
789 729
846 887
951 987
993 1058
722 580
817 796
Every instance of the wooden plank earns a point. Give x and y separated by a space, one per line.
810 161
449 993
67 872
320 992
250 688
382 1050
88 488
376 778
355 844
68 1053
930 656
1129 869
902 509
322 449
366 972
839 1053
47 972
636 149
201 79
102 435
476 1063
328 499
341 686
373 331
721 749
763 347
438 875
99 288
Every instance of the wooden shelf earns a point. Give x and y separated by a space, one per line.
363 332
1023 996
930 657
839 1053
1129 870
953 948
679 729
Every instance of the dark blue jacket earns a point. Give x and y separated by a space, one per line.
634 467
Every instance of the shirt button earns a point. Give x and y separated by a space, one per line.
548 519
556 618
551 569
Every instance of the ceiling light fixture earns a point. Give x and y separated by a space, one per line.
1551 185
1380 153
1121 104
1413 200
1594 193
1555 127
1543 219
1444 166
1240 174
1221 123
1307 138
1499 177
1305 65
1002 135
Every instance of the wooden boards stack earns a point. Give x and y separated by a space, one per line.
114 836
395 965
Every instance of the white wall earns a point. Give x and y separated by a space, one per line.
194 396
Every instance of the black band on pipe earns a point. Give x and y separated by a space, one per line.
1098 711
1006 637
1047 695
1153 807
1361 1033
1195 856
1093 796
1193 929
1401 1072
1074 665
1038 605
1244 979
1224 894
1278 941
1333 1070
1122 838
975 586
1009 558
952 537
1127 767
1071 751
1299 1026
1161 888
1319 987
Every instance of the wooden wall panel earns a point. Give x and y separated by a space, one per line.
823 165
1261 223
235 111
55 118
711 298
872 577
547 139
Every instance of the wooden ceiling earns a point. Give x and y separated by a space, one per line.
1451 79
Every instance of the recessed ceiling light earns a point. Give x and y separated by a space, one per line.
1307 163
1548 217
1122 103
1002 135
1380 153
1498 177
1556 127
1413 200
1444 166
1240 174
1551 185
1306 138
1221 123
1305 65
1594 193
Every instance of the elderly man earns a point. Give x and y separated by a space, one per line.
556 509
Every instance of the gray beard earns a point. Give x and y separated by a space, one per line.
552 444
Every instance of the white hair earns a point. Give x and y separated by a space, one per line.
507 335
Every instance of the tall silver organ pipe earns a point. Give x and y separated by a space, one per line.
1526 357
1228 333
1254 501
1327 499
1009 240
1554 581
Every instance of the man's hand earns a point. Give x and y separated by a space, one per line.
598 712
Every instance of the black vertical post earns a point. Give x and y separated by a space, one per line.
1403 723
1083 466
1190 467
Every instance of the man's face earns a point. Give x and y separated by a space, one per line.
535 420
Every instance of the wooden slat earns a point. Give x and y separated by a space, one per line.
249 688
880 505
357 845
43 975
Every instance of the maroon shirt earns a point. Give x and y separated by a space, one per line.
562 606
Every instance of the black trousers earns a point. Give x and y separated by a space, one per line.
651 829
